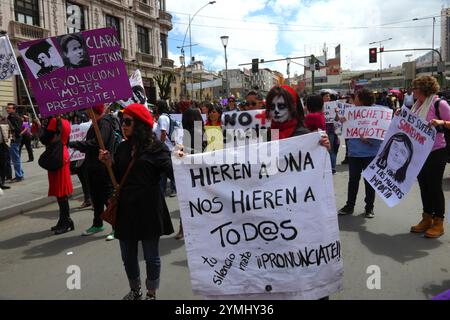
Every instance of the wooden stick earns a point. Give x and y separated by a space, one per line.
91 114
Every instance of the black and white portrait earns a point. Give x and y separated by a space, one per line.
74 51
396 156
42 58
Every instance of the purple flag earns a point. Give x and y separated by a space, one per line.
76 71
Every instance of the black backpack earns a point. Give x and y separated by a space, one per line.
443 129
117 132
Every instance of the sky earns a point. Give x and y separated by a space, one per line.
276 29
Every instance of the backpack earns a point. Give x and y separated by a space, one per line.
174 124
443 129
117 132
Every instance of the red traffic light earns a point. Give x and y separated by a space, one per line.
372 55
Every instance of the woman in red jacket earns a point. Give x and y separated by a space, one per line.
60 181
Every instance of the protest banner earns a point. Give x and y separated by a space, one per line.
241 127
138 91
76 71
78 133
369 122
330 111
401 157
342 106
261 226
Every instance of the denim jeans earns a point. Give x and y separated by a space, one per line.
15 159
356 167
129 250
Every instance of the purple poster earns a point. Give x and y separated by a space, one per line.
76 71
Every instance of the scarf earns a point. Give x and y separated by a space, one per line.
422 110
286 129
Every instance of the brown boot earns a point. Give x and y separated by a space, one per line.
424 224
437 229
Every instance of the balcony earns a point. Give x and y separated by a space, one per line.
143 8
165 19
24 31
166 63
145 58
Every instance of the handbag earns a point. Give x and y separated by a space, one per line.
110 214
52 159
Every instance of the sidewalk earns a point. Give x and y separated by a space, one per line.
31 193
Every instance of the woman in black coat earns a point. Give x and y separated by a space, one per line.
142 213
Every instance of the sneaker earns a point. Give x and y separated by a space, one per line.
110 236
150 296
369 213
16 180
133 295
345 210
93 230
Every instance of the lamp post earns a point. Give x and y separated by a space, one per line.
225 43
381 59
183 67
288 60
190 38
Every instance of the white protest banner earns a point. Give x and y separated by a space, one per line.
342 106
401 157
370 122
330 111
259 225
78 133
244 127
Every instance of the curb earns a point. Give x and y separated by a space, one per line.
30 205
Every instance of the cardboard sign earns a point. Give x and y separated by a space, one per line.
401 157
329 109
76 71
78 133
261 225
369 122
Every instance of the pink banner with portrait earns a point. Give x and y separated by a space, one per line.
76 71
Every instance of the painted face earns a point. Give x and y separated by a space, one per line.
127 125
74 52
44 60
279 110
398 155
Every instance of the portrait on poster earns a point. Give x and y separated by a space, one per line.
42 58
74 51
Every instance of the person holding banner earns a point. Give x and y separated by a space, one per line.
361 152
15 125
60 181
331 132
430 177
315 118
142 213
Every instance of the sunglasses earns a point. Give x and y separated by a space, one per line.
127 121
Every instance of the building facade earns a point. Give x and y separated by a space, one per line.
142 25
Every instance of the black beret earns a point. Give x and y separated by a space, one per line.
34 50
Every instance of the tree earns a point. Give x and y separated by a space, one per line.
163 81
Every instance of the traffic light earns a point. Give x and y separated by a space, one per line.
317 65
372 55
255 65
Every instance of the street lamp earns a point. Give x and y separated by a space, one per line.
288 60
190 39
381 60
225 43
183 81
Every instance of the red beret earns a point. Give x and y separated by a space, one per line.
99 109
140 112
292 92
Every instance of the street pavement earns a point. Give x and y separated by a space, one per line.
33 261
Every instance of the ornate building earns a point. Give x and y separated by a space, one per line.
143 27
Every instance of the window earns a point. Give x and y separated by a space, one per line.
115 23
163 38
161 4
143 40
27 11
75 17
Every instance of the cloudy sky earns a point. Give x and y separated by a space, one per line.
274 29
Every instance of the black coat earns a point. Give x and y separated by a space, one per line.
142 211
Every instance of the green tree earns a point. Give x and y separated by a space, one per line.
163 81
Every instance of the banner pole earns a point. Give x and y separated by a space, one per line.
91 114
23 80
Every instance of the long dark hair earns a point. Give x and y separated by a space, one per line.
143 137
400 175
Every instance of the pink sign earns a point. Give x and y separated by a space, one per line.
76 71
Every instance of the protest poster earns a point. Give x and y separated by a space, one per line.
330 111
243 127
370 122
76 71
138 91
401 157
261 225
78 133
342 106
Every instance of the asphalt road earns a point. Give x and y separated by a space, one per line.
33 261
